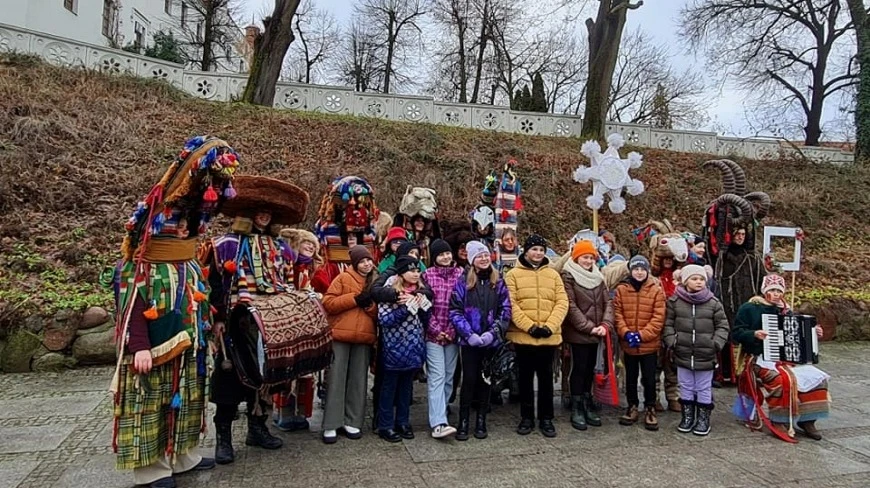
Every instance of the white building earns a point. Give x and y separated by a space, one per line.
126 23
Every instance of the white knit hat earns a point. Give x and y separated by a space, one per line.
692 270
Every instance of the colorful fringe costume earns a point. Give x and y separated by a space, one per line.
161 293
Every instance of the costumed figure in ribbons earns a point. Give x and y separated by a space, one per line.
164 320
348 216
508 204
418 215
483 215
730 228
273 333
796 395
669 252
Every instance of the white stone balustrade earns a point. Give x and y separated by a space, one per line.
340 100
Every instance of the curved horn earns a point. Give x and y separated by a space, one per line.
761 202
727 174
739 177
743 207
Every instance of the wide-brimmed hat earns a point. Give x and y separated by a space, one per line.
285 201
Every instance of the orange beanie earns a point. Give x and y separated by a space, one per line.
583 247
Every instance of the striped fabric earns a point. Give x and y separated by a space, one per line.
812 405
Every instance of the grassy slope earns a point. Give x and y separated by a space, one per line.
77 149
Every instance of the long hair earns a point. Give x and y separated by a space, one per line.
471 280
370 279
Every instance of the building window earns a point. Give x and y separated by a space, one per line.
167 6
140 33
110 18
183 14
199 31
70 5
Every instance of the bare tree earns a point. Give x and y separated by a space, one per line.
452 60
208 33
782 51
644 80
317 33
270 47
605 35
861 20
393 22
358 60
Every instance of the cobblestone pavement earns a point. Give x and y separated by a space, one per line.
55 430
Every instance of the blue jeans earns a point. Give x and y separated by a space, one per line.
440 366
396 389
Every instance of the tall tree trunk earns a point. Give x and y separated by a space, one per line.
862 107
391 52
208 35
463 68
605 34
484 36
270 47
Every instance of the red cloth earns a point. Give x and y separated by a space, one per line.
324 276
667 280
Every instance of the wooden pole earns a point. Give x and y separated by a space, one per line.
793 277
595 221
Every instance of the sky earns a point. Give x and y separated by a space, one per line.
657 18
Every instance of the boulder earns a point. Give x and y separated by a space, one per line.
93 317
58 338
53 361
19 351
34 323
96 330
96 348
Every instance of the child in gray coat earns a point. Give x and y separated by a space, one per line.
696 329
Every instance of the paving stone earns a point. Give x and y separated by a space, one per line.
860 444
69 405
33 439
13 472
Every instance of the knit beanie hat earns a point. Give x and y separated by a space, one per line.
405 264
691 270
474 249
639 262
405 248
773 282
438 247
534 240
396 233
357 254
583 247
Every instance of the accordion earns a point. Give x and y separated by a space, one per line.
790 338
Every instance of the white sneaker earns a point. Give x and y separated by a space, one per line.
442 431
351 430
330 437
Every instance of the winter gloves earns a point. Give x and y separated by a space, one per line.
363 300
474 340
487 338
633 339
540 331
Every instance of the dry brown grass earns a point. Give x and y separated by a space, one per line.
78 148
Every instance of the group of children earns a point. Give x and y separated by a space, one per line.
444 315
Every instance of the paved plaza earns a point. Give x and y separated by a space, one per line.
55 431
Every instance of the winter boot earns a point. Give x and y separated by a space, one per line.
259 435
578 413
462 430
809 429
650 420
702 427
480 426
630 417
223 448
687 422
592 417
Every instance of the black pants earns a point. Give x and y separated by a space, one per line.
474 389
535 361
583 358
645 364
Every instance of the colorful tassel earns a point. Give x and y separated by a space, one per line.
157 223
176 401
199 296
151 313
210 195
205 273
230 192
518 204
231 267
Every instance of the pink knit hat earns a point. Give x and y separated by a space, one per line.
773 282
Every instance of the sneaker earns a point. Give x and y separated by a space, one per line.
352 432
405 431
525 427
547 428
630 417
330 436
442 431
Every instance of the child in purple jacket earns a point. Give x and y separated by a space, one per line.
480 310
441 347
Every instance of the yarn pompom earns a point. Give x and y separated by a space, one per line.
231 267
151 313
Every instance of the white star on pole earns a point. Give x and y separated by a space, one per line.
609 173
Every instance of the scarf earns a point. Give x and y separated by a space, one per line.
301 259
637 285
781 305
589 279
695 298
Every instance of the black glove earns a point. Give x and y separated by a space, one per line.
363 300
546 332
537 332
